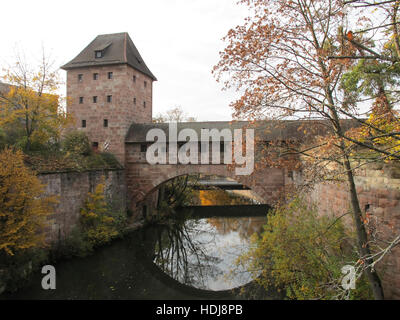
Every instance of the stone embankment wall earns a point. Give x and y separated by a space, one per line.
378 188
72 189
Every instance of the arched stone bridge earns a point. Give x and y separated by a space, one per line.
268 183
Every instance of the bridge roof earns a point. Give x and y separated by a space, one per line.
117 48
269 130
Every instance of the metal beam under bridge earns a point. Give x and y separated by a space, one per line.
218 183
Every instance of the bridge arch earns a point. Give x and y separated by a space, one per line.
143 179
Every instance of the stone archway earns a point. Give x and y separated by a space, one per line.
143 179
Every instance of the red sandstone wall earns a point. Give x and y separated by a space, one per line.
72 188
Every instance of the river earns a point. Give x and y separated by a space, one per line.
190 257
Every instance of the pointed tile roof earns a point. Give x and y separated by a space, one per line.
116 48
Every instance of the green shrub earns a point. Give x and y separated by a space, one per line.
303 254
77 143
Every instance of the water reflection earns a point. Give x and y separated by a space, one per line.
196 254
202 252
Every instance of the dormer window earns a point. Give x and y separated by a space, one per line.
98 54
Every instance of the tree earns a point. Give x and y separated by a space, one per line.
303 254
31 103
375 77
280 59
97 223
175 114
23 208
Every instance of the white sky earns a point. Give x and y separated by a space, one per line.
178 39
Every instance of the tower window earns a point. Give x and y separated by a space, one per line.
109 98
80 100
105 123
134 78
80 77
95 76
83 123
134 101
143 148
94 99
98 54
145 84
144 104
110 75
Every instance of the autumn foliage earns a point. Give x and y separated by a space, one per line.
303 253
32 106
97 223
23 209
288 60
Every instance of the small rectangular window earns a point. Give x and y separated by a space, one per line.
94 99
98 54
109 98
145 84
83 123
143 148
134 101
80 100
95 76
105 123
134 78
144 104
110 75
80 77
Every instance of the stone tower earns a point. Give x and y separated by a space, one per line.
109 87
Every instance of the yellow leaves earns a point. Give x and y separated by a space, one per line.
95 217
32 105
23 209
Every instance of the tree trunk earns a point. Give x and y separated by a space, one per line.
362 237
373 278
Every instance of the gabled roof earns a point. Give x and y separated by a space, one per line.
117 48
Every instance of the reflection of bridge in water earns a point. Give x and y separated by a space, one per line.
153 240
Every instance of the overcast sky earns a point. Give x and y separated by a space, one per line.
178 39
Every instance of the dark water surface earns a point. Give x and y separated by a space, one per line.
192 257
